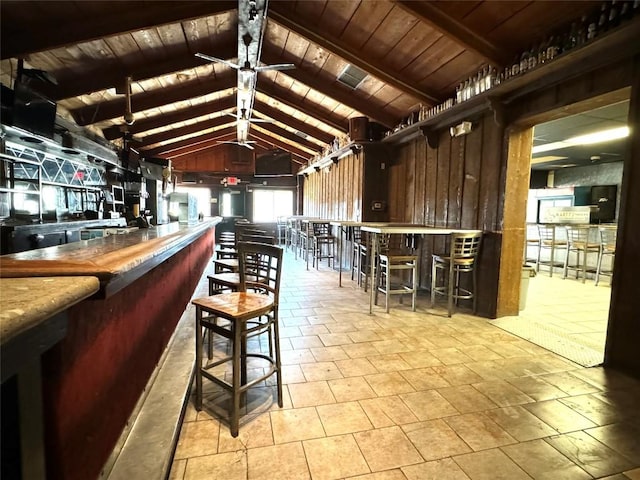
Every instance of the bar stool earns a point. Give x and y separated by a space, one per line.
578 242
390 284
608 237
356 244
323 243
365 258
549 241
281 230
532 239
252 310
461 260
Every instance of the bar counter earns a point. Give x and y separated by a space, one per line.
117 260
95 375
32 319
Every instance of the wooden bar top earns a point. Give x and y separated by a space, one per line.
116 260
27 302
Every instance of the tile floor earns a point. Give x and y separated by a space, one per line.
567 317
412 395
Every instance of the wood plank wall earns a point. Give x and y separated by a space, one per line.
459 184
336 193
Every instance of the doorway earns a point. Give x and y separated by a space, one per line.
574 160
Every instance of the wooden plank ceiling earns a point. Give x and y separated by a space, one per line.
413 52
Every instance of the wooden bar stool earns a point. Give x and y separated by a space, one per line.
250 311
460 260
549 240
578 242
608 237
323 244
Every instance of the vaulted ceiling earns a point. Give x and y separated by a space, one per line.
413 52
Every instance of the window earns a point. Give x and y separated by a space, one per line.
226 204
268 205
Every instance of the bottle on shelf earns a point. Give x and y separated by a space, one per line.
625 11
602 19
592 29
582 30
573 36
524 61
614 18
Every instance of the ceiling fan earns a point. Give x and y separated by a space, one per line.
243 116
246 68
246 143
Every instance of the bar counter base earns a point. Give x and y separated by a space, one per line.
93 379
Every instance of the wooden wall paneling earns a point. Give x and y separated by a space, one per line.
397 192
513 231
409 185
375 182
456 181
472 173
490 199
431 180
623 334
491 189
421 169
357 179
442 179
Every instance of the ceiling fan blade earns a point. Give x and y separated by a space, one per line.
219 60
260 120
278 66
242 144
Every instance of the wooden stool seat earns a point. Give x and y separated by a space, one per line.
228 265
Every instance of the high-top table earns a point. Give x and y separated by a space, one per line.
401 229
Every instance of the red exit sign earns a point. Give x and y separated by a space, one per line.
232 180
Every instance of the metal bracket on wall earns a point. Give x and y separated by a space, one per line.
431 136
497 107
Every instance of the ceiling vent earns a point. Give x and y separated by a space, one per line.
301 134
352 76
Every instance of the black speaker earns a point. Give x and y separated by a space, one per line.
359 129
604 197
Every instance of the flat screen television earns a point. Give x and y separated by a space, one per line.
32 111
273 163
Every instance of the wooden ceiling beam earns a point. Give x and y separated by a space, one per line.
278 115
114 75
165 149
286 97
429 13
156 98
290 136
198 147
166 119
280 13
334 90
186 130
124 17
305 156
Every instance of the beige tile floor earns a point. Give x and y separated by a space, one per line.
412 395
567 316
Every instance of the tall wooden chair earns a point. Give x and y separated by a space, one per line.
578 242
608 237
250 311
461 259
